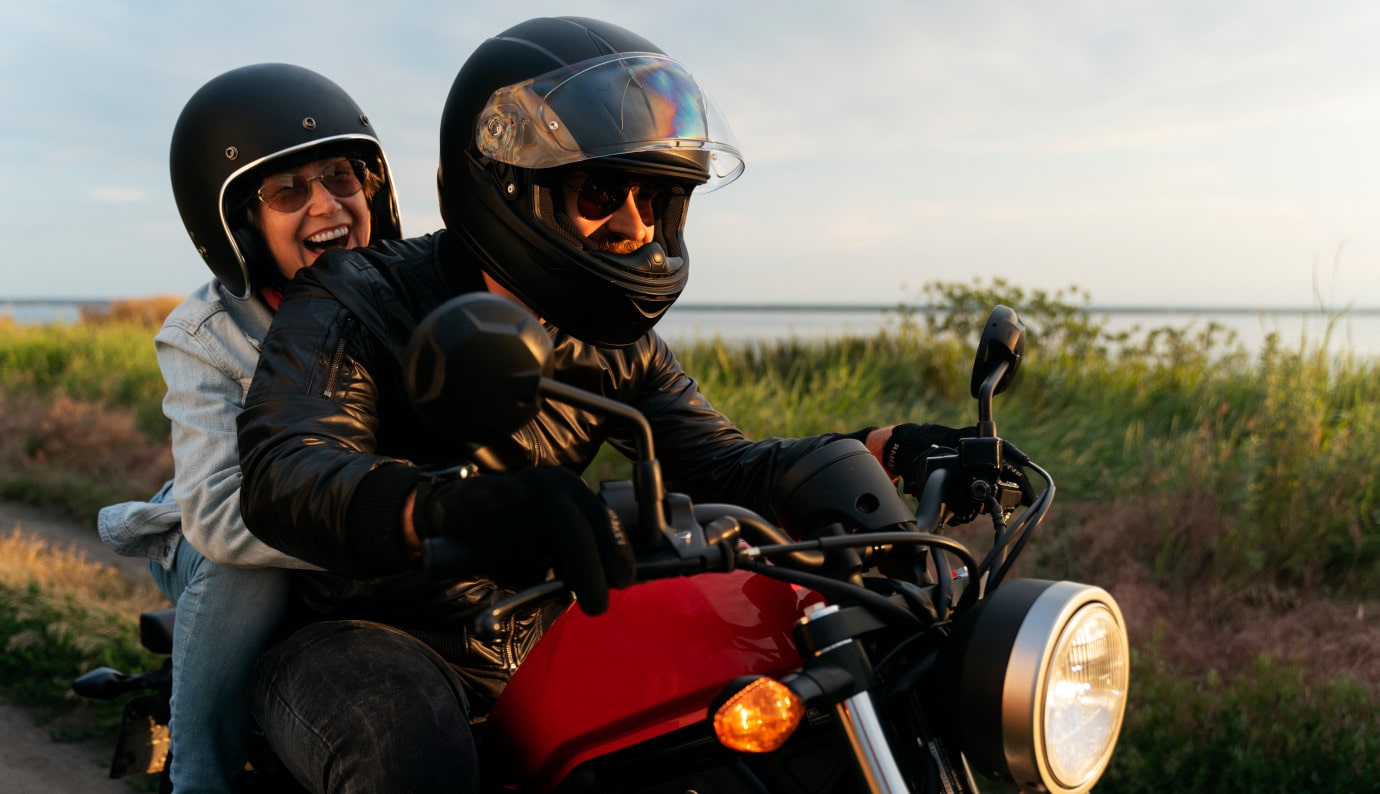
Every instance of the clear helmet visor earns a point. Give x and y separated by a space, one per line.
605 107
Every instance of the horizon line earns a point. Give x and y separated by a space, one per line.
799 306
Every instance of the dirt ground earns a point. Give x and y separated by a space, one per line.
30 761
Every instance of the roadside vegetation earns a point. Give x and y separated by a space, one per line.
1226 497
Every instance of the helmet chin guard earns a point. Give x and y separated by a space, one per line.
566 91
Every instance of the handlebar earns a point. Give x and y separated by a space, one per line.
767 549
667 565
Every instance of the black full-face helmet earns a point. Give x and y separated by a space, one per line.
251 122
555 92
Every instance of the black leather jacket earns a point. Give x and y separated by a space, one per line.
330 446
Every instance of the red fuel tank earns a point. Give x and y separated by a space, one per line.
648 666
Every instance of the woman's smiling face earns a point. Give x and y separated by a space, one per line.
297 237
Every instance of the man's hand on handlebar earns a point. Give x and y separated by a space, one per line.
904 449
523 523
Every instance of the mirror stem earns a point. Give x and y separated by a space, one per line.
647 472
987 428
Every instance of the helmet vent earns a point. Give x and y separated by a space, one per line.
308 123
231 152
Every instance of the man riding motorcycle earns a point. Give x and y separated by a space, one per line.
569 151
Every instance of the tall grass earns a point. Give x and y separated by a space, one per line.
81 422
107 363
61 616
1214 490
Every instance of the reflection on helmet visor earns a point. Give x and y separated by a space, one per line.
609 106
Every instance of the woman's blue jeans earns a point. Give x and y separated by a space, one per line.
225 617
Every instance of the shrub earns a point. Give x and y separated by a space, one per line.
76 455
108 364
147 312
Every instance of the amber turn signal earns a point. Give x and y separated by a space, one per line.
758 718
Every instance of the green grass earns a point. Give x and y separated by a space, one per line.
1233 480
110 364
81 421
1266 729
61 616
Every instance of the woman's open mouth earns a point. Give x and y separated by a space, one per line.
330 238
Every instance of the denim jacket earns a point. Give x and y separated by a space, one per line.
207 349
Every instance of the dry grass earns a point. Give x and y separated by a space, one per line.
148 311
76 454
60 616
1195 625
28 561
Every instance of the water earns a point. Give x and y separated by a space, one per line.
1357 332
38 312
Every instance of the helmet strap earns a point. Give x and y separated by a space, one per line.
258 262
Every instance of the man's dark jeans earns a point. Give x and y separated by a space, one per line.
353 706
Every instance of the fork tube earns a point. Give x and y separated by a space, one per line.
869 743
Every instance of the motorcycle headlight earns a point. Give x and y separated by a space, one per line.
1043 669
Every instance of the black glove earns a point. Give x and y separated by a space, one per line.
909 444
524 523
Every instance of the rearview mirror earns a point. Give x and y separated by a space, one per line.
999 352
474 366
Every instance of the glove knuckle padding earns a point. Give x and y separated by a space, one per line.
910 443
524 523
575 549
590 550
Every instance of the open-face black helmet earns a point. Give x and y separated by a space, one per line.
251 122
553 92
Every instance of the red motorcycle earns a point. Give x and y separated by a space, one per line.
853 648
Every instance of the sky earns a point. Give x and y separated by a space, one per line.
1178 153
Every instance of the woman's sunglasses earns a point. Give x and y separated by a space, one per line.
291 192
600 195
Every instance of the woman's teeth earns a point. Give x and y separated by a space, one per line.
328 238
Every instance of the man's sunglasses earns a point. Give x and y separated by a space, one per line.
600 195
291 192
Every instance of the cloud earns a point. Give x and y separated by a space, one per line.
1162 136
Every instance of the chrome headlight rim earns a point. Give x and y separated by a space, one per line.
1006 653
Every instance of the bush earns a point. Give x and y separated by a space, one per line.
80 456
147 312
110 364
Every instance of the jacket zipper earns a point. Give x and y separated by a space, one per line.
508 651
336 360
535 446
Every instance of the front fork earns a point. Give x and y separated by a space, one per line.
870 747
837 670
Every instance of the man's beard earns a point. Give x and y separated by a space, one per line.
603 240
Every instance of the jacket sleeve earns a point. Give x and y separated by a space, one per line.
702 452
315 485
206 376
